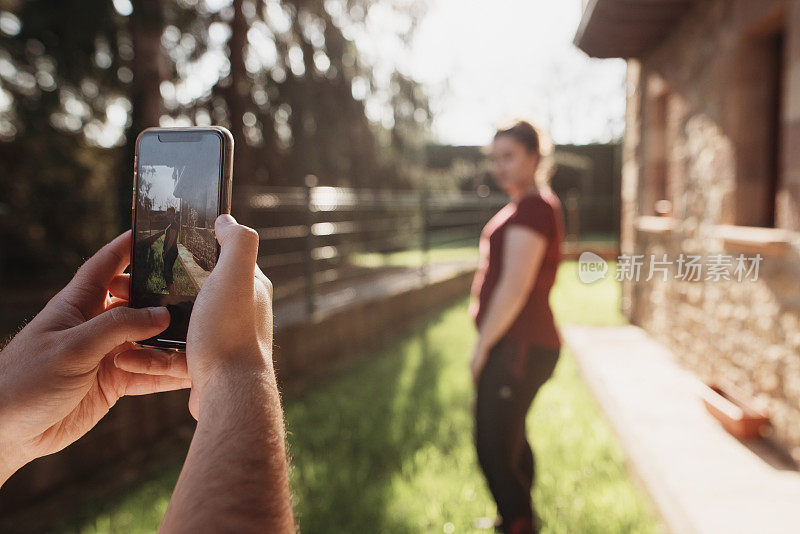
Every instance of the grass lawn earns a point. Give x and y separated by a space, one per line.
414 257
386 444
154 263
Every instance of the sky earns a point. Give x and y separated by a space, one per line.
481 63
162 188
196 162
484 63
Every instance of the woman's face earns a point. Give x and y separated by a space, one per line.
513 166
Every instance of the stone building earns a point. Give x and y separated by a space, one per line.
711 167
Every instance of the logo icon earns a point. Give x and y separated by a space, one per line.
591 267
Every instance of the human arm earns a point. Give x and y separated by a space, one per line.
236 473
235 477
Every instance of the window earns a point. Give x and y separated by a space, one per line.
757 89
658 143
776 83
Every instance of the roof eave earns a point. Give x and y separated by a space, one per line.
627 28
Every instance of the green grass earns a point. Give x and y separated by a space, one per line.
385 445
137 510
598 237
597 303
415 256
154 263
401 424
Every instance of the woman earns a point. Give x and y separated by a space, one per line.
518 343
170 252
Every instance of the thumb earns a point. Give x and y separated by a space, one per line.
101 334
238 250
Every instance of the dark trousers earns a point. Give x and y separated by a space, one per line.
507 386
169 258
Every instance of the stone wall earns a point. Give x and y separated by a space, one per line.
700 118
202 243
744 333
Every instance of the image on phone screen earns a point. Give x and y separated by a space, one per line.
176 202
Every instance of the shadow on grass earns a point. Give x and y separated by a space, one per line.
130 496
365 425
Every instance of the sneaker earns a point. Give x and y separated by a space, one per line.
487 523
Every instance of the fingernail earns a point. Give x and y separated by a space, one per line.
115 360
160 314
226 218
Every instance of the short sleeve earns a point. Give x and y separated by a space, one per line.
535 213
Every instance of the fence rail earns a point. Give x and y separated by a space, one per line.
315 236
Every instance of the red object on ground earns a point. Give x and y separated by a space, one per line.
736 413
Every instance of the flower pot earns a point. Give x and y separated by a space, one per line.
740 416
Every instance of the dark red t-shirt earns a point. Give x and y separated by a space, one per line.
539 211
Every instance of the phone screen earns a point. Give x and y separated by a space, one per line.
177 199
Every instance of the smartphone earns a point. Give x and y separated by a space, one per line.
182 181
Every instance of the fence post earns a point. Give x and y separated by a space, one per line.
482 192
311 289
573 203
424 208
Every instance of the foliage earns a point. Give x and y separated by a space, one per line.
79 80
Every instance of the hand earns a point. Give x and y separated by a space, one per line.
57 376
230 331
479 356
236 466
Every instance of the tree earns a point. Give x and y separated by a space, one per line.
87 78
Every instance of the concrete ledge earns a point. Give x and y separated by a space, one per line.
306 348
197 275
766 241
655 225
701 479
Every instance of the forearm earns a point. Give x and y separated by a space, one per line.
235 477
504 305
12 454
12 458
